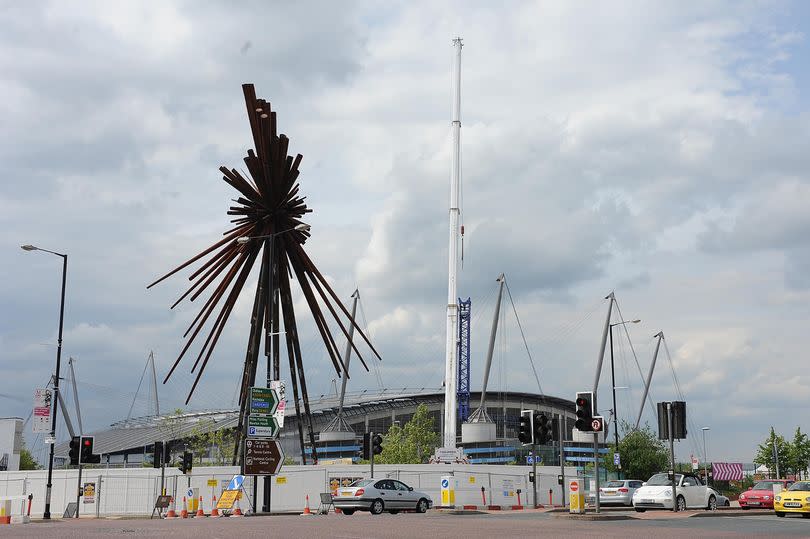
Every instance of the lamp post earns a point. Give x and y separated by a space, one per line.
49 484
242 240
613 384
705 456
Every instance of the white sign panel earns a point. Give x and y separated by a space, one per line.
281 391
41 419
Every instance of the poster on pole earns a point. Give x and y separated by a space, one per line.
281 391
89 493
41 418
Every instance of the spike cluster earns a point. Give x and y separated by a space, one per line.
267 227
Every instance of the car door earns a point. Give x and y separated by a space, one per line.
405 495
388 493
693 493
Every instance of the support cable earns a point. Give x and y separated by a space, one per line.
531 361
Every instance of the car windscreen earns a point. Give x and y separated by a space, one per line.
801 485
661 480
361 483
614 484
765 485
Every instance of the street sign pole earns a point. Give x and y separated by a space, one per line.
672 456
561 437
534 473
371 450
596 468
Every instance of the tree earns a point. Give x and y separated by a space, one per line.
205 436
27 460
798 456
412 444
642 453
765 456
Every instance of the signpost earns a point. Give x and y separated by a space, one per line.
41 419
263 400
263 457
262 426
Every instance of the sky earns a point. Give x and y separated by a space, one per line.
658 150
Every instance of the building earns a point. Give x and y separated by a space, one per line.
129 442
11 442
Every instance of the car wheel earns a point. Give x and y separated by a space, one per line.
681 503
712 504
377 507
640 510
348 512
422 506
780 514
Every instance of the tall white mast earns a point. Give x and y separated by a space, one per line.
451 368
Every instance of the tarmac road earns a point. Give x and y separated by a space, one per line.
409 525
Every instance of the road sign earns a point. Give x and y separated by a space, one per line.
617 459
281 390
41 418
695 463
227 499
263 457
212 482
598 423
236 482
262 426
263 400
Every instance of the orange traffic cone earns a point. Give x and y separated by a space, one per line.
200 512
306 508
171 513
184 511
237 512
214 510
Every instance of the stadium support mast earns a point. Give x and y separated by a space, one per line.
451 365
464 311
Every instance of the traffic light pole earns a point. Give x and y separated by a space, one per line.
561 437
163 468
79 486
371 450
534 474
596 468
672 456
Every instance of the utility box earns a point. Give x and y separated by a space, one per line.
448 491
576 495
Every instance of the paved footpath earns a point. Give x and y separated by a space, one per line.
430 526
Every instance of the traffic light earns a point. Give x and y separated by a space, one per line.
542 429
366 446
526 428
584 404
679 420
75 442
157 455
87 456
376 444
186 462
663 421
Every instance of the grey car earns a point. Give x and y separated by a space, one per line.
380 495
617 492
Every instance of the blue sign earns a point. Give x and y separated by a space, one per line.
236 482
617 460
529 459
251 431
445 483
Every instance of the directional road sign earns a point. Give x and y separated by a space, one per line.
263 457
263 400
262 426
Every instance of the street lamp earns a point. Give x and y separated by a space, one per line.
705 457
613 384
49 484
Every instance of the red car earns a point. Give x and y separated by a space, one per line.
760 496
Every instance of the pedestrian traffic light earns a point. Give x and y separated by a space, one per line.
75 443
542 429
186 462
157 455
366 446
584 409
376 444
87 456
679 420
526 427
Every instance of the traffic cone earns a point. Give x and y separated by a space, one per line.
214 510
184 511
200 512
306 508
171 513
237 512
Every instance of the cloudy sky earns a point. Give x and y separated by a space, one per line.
654 149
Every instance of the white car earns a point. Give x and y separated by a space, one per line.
690 493
379 495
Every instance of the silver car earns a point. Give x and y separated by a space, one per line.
380 495
617 492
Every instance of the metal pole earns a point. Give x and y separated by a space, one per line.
371 450
602 345
49 484
562 459
776 457
596 468
660 336
534 473
672 457
491 348
705 460
154 383
163 468
348 354
451 345
79 487
615 409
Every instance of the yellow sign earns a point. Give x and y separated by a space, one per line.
227 499
212 482
472 479
281 480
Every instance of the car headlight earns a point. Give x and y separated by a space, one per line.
778 498
807 499
742 496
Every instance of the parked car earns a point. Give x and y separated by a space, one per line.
690 493
796 499
379 495
760 496
617 492
722 501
